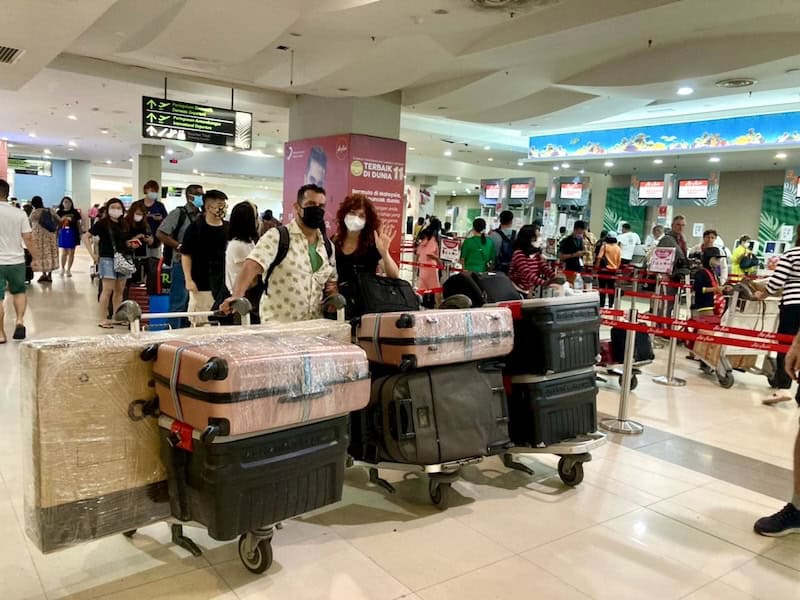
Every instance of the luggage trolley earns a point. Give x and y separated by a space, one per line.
198 490
572 454
746 314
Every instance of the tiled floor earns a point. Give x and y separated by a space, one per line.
638 527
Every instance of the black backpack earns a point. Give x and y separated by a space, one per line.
503 262
283 250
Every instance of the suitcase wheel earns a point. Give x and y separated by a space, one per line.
571 472
634 381
405 321
209 434
259 558
149 353
216 368
139 409
407 364
440 493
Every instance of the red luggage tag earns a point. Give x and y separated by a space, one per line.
515 306
182 436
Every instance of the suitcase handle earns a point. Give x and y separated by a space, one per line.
403 413
432 320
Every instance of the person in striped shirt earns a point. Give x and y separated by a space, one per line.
786 278
529 269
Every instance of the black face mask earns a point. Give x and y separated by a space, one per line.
313 217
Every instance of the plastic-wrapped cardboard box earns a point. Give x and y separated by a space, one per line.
91 470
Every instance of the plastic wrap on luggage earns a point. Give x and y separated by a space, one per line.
90 470
253 384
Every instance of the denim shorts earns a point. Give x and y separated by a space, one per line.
105 269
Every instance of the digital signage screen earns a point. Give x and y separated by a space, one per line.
491 191
651 189
571 191
690 189
519 191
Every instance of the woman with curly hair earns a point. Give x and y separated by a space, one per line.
362 243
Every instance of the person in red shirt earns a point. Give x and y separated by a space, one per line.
529 269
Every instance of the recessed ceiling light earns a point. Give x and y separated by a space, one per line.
279 149
441 11
556 168
103 130
295 34
685 91
229 148
170 151
195 171
458 179
714 159
11 145
448 153
453 192
47 151
608 163
32 134
582 171
520 163
736 82
441 108
780 155
487 147
658 161
490 159
343 89
202 174
72 143
72 117
130 160
412 148
565 165
108 162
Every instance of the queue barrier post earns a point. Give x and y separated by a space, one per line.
669 379
622 424
617 297
659 307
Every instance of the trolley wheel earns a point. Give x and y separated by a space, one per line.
440 494
130 533
634 381
706 369
573 476
261 558
726 381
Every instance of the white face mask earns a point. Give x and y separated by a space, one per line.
115 213
138 218
354 223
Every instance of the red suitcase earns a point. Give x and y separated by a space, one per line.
246 384
438 337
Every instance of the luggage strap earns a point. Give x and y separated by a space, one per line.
376 342
469 328
173 379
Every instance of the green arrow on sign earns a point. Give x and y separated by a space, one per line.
163 118
151 103
151 116
163 104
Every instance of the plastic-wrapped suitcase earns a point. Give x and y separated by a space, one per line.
241 385
481 288
233 485
434 415
555 335
545 410
430 338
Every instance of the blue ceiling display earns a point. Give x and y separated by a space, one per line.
736 133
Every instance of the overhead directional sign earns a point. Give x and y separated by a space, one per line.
186 122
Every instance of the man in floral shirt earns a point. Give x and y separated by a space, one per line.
296 285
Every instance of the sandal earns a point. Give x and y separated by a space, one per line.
776 398
106 325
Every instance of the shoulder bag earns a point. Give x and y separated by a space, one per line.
123 263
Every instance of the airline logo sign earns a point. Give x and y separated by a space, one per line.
186 122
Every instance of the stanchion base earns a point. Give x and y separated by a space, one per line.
670 381
622 426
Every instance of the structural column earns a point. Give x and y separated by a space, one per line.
146 166
78 184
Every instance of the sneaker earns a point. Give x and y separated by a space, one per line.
783 522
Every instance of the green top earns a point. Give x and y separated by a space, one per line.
476 256
314 257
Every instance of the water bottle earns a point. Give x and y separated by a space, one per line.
578 285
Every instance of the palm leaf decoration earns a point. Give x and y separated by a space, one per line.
244 130
769 227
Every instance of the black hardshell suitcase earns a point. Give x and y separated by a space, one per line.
232 486
481 288
547 410
555 335
642 346
438 414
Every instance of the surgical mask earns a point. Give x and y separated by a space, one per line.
313 217
221 211
152 195
115 213
138 218
354 223
197 200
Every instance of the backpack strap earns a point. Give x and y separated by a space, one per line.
283 250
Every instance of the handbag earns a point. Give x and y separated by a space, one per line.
47 221
123 263
719 299
748 262
376 294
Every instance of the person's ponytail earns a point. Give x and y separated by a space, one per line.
483 238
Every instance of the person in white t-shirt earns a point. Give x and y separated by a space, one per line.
15 235
242 238
628 241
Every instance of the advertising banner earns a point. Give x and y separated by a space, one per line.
662 260
451 250
349 164
3 160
